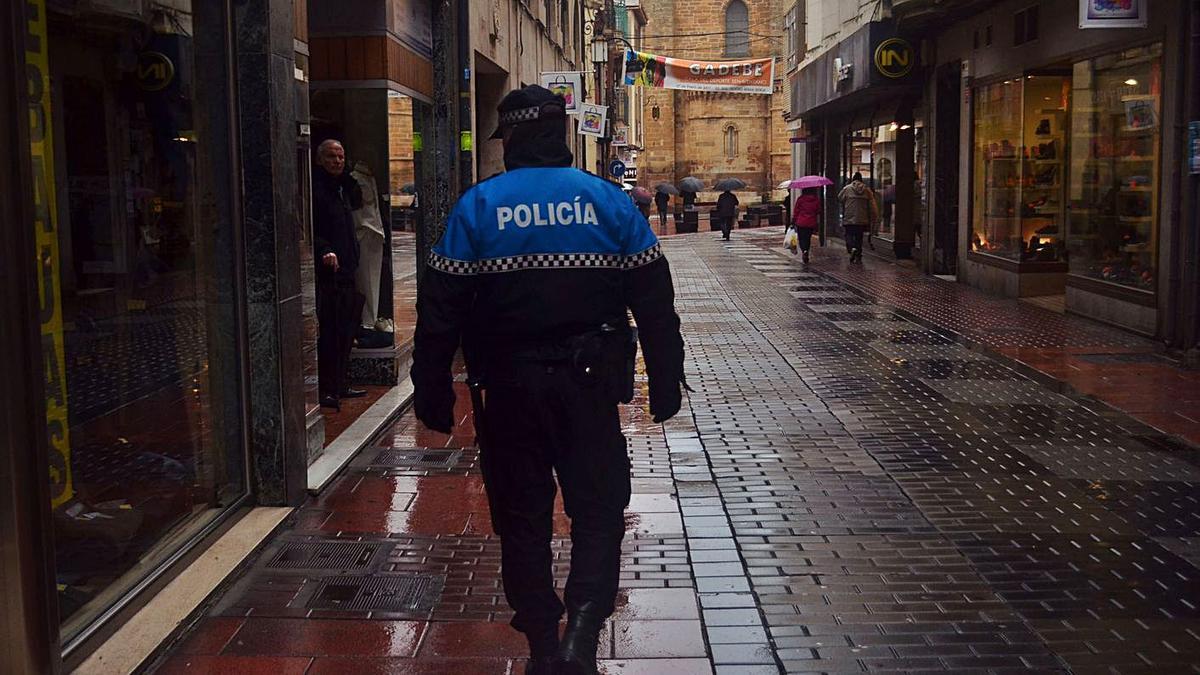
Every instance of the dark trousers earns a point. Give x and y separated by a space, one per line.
854 236
539 421
726 225
339 307
662 221
804 235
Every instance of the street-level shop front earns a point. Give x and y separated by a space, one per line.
137 264
1070 156
862 111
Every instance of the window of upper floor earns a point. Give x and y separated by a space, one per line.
737 29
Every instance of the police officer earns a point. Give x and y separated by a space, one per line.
534 275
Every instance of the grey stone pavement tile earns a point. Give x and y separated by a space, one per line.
886 499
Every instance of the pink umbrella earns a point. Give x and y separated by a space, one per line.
809 181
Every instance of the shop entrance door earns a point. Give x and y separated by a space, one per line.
944 259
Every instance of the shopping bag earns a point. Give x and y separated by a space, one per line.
791 239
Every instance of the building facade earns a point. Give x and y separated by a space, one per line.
1029 149
153 289
512 42
713 135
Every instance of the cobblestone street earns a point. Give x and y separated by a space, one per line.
866 478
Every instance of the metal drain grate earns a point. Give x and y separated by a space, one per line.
324 556
1164 444
1120 358
417 458
414 594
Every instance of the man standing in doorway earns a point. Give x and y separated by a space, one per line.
335 196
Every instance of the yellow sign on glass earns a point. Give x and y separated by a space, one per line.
41 154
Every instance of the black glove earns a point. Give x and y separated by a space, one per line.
434 406
665 400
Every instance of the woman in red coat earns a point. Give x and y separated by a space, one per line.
805 217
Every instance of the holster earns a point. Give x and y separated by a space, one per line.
606 358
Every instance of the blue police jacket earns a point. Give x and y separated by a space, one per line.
540 254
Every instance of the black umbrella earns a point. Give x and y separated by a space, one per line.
667 188
691 184
727 184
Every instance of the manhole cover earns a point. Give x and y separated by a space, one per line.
417 458
324 556
414 594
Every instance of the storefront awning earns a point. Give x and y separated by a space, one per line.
865 69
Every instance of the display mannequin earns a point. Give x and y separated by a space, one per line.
368 229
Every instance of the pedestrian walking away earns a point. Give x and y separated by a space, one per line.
727 210
806 219
662 200
859 211
335 196
540 313
644 209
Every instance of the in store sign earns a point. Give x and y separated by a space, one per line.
155 71
895 58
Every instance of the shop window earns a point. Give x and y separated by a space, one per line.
1115 181
1025 26
1019 168
564 21
731 142
792 42
141 351
737 29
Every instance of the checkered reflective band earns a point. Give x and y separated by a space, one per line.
521 115
451 266
541 261
644 258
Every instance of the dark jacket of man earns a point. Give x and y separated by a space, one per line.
727 205
662 200
334 198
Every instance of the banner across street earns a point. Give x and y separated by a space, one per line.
748 76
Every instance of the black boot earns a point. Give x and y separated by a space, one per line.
577 652
543 644
540 666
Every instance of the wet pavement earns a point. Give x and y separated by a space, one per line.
847 490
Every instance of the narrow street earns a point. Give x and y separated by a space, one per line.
870 475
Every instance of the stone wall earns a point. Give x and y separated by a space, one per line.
400 137
688 139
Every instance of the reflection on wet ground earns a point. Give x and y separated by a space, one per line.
845 491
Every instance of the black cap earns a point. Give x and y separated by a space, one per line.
529 104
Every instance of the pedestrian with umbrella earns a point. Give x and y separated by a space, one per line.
642 197
807 212
689 187
662 199
727 203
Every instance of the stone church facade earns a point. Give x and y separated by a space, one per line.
716 135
